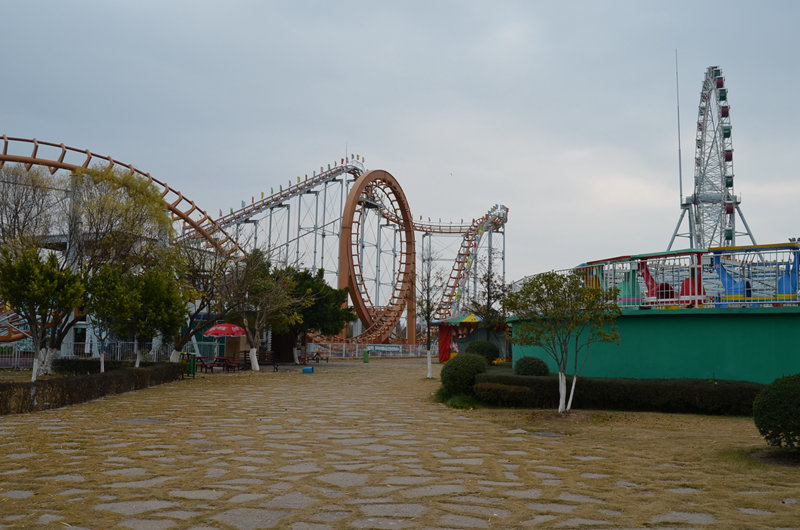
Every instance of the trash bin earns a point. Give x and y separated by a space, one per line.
366 355
191 365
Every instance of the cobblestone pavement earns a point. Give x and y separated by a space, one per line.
352 445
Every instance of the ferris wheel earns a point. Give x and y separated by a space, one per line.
713 205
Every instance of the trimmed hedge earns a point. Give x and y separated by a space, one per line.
776 412
65 391
531 366
66 366
488 350
696 396
458 375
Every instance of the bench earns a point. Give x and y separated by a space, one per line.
207 364
304 359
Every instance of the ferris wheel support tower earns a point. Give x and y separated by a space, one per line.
713 206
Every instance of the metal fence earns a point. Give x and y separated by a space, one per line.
755 276
356 351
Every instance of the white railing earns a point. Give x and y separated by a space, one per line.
356 351
756 276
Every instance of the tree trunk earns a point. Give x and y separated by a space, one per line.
562 392
175 356
35 370
254 360
572 393
430 368
102 362
46 363
138 354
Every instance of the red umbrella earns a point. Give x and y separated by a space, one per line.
225 330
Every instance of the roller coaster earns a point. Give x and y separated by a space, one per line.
353 223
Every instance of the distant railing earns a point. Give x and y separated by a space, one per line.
725 277
356 351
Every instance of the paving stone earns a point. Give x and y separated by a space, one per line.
247 497
754 511
684 517
17 494
394 510
486 511
147 524
428 491
577 521
463 521
293 499
525 494
408 480
329 516
380 523
48 518
310 526
179 514
65 478
134 507
344 479
250 518
552 507
573 497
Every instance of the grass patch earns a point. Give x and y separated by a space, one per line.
462 401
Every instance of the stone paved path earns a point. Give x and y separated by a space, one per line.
351 446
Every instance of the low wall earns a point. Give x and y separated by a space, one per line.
738 344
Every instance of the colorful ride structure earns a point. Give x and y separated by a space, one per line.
354 224
721 277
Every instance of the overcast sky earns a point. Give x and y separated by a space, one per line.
563 111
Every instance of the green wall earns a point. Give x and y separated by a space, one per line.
745 344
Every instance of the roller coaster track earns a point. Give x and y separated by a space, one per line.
181 208
379 321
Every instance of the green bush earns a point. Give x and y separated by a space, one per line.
462 401
488 350
67 366
695 396
505 395
64 391
776 412
458 375
531 366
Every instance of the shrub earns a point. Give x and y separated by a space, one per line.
488 350
531 366
696 396
64 391
458 375
505 395
462 401
776 412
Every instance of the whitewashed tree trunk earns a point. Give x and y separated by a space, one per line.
175 356
254 360
46 364
102 362
138 353
430 368
572 392
562 392
35 370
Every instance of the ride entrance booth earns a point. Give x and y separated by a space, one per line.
452 331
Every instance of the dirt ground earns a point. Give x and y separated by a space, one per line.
356 445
